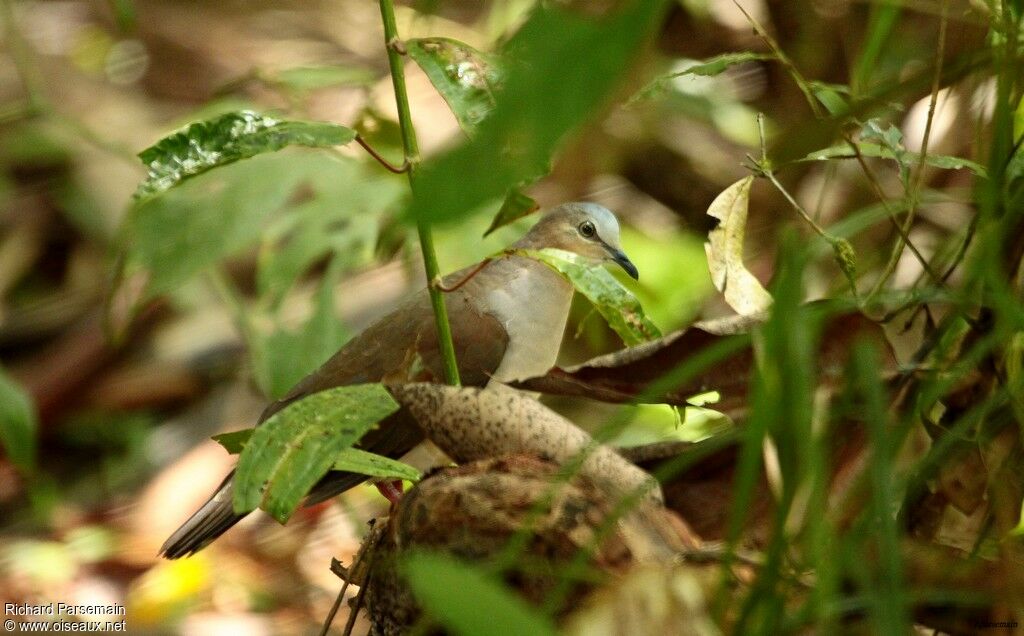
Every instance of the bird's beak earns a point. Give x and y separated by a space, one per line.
620 257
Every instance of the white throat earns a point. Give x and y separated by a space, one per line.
533 306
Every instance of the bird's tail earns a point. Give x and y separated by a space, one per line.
213 519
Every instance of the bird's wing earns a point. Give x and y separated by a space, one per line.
401 347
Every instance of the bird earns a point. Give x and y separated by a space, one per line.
507 317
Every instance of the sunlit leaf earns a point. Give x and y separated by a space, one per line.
17 424
295 447
441 584
516 206
351 460
724 248
613 301
708 68
216 142
466 78
566 67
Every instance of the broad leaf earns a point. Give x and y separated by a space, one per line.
708 68
567 66
466 78
724 248
295 447
283 357
516 206
17 424
216 142
441 583
342 217
945 162
613 301
351 460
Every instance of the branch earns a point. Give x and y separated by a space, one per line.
412 158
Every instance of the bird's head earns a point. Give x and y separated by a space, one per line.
586 229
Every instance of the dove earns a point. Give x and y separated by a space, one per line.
507 317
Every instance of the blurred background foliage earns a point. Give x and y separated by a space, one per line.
234 285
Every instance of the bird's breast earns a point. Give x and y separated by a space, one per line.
533 306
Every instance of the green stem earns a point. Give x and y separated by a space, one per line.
913 192
412 158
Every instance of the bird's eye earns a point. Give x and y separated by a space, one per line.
587 229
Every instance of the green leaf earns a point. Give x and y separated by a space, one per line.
724 248
311 78
284 357
708 68
171 238
17 424
296 446
613 301
466 78
234 441
354 460
566 66
879 31
342 217
945 162
516 206
1018 122
468 601
216 142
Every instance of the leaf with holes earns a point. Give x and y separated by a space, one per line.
613 301
295 447
568 67
205 145
466 78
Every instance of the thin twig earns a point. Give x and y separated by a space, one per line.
336 605
877 188
913 193
336 566
801 81
371 552
390 167
465 279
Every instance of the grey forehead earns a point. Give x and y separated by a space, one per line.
607 224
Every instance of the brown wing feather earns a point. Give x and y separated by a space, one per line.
403 347
400 347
